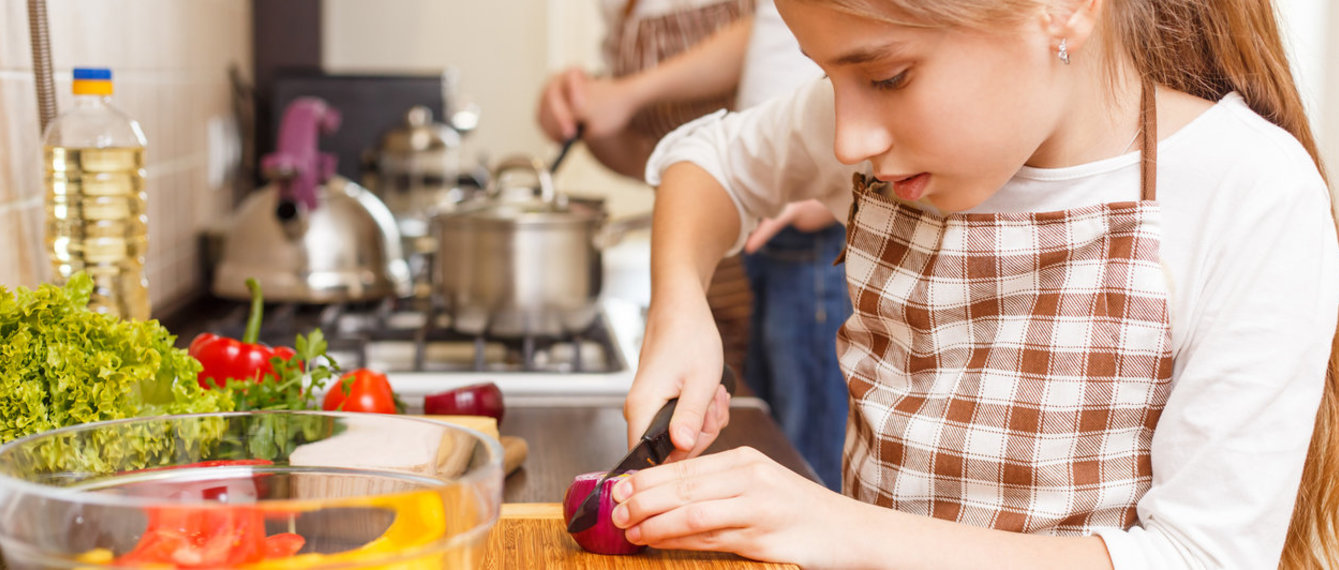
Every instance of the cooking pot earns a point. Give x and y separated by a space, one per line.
311 236
415 168
519 263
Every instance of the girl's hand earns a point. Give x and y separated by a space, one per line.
680 358
736 501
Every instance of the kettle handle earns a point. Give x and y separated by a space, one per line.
523 162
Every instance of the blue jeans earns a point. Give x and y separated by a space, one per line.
800 300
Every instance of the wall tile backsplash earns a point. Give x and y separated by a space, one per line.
170 62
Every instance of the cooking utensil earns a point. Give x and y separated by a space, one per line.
654 447
311 236
567 145
516 263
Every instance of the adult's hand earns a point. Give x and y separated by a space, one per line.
557 114
606 105
806 216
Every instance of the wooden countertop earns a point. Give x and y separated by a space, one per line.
568 440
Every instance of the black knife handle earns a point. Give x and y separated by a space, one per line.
660 424
728 379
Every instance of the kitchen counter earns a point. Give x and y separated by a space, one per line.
581 435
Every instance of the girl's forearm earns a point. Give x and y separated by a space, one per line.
693 226
893 539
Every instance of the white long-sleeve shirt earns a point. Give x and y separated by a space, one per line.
1251 257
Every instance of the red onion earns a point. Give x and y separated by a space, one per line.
473 400
604 537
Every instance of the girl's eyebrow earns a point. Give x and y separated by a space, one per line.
866 54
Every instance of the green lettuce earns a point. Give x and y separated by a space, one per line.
62 365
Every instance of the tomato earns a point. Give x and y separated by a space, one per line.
195 537
283 545
362 390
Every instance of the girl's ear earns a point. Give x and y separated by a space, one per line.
1072 21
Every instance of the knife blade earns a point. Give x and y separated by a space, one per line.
653 448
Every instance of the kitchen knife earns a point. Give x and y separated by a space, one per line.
654 447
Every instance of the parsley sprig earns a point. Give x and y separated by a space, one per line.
298 382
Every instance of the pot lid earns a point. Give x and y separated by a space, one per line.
525 213
419 133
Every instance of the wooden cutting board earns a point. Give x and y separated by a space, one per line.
485 424
532 535
514 449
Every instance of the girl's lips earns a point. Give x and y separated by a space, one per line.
911 188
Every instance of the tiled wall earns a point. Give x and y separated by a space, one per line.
170 61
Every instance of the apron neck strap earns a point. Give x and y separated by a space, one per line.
1148 154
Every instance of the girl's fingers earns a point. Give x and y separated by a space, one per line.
703 466
710 525
652 491
718 415
684 492
695 403
649 392
720 540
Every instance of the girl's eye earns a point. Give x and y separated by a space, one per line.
891 83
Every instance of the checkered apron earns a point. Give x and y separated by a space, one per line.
1006 370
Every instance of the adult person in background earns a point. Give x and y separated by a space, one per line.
798 298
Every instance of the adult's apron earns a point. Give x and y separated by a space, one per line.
1007 370
634 44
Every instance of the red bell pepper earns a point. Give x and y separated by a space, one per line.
247 359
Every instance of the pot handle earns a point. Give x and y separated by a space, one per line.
523 162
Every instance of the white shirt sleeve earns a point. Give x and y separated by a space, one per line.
778 152
1254 275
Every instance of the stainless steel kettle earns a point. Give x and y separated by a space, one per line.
310 236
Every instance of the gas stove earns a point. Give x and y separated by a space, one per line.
421 353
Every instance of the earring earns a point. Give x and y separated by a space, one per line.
1064 51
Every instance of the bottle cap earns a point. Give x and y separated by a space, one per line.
92 81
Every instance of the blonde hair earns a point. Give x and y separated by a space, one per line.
1207 48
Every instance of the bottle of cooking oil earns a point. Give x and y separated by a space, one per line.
96 218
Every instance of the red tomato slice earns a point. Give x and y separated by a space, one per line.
195 537
283 545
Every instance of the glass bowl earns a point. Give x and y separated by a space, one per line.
251 490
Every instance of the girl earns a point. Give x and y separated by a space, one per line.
1095 277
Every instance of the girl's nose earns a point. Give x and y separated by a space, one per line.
860 134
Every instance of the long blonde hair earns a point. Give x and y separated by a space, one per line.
1207 48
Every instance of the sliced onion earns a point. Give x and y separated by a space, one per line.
603 537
